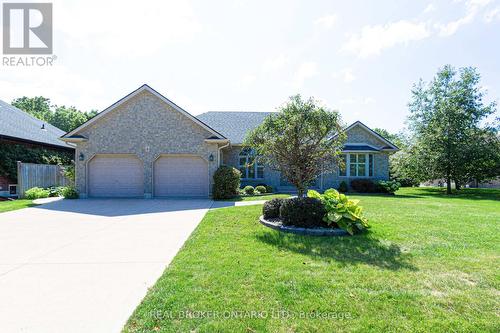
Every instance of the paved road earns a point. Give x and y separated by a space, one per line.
84 265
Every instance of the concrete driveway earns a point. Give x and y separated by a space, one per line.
84 265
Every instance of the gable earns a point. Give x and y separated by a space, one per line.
358 133
143 120
145 89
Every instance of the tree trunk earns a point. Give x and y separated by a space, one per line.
300 191
457 185
448 185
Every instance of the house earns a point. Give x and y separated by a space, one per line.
144 145
20 128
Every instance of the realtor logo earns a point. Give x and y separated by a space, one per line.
27 28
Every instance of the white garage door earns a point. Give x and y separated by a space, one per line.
181 176
116 176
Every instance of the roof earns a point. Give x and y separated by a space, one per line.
349 147
142 88
234 125
17 124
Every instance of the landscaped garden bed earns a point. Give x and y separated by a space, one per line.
331 213
277 224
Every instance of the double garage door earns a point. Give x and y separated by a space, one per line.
123 176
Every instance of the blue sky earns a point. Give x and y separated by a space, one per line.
359 57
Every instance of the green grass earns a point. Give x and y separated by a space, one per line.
258 197
429 264
6 206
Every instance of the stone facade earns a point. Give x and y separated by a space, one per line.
147 127
356 135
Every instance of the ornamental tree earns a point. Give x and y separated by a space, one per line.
302 140
447 117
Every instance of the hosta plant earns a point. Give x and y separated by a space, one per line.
345 212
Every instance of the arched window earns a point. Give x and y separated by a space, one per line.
249 165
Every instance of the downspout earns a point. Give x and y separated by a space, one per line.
219 151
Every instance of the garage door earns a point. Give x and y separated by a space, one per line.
180 176
116 176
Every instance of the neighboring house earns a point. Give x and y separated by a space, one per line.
493 183
20 128
144 145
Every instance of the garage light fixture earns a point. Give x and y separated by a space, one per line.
81 157
211 158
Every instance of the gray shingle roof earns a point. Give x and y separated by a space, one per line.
16 123
233 125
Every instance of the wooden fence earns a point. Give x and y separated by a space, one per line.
39 175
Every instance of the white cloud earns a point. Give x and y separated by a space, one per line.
450 28
345 74
430 8
275 63
121 28
305 71
373 39
472 8
492 15
247 80
327 21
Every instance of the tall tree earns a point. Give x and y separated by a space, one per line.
69 118
39 107
446 117
400 139
62 117
301 141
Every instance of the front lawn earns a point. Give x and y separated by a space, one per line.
429 264
6 206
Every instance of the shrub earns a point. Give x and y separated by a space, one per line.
363 185
55 191
248 190
342 211
271 208
226 182
261 189
36 193
343 187
69 192
269 189
70 172
407 182
303 212
388 186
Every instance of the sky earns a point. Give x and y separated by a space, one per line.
358 57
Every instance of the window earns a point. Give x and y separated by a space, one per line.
249 165
357 165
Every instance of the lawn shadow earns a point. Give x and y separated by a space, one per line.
348 250
466 193
437 192
383 195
